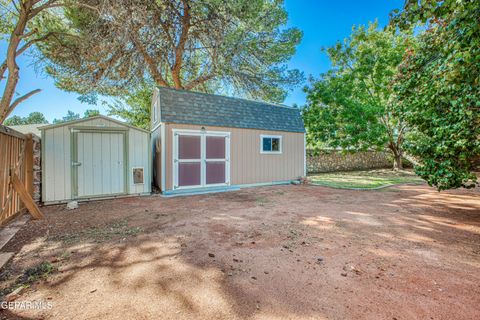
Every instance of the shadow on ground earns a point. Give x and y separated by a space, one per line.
298 252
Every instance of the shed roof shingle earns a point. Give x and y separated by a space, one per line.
186 107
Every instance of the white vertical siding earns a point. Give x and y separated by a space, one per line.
57 150
57 160
139 156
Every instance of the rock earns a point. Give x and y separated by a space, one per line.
92 291
14 294
343 274
266 272
211 255
72 205
319 260
254 278
53 259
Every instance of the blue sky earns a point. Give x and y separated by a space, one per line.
323 22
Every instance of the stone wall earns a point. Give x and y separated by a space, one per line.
332 160
37 169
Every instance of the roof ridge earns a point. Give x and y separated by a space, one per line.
229 97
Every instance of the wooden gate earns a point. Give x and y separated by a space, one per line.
16 175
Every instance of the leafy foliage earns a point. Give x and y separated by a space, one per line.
236 46
438 91
71 116
134 107
350 106
32 118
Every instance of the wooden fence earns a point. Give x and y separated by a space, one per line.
16 175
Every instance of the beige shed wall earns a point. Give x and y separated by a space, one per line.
247 164
56 159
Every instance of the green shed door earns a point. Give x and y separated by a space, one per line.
100 164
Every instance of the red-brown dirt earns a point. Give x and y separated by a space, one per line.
286 252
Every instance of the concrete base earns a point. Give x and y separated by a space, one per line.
5 257
7 233
195 191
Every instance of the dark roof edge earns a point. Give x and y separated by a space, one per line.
244 128
228 97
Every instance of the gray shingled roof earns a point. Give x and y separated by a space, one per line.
186 107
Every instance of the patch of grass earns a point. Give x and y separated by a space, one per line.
117 229
31 275
261 201
40 271
364 179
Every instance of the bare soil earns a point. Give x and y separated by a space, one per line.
286 252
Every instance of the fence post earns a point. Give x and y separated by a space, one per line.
29 163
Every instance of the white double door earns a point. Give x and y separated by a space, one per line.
201 159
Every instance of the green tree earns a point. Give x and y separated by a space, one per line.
69 117
25 24
17 18
350 106
438 90
91 113
239 47
32 118
134 107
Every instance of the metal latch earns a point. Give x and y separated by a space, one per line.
76 164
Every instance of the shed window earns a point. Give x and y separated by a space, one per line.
271 144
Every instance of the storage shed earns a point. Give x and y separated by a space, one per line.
96 157
204 142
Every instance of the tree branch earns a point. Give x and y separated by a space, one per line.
157 76
199 81
180 49
27 45
18 101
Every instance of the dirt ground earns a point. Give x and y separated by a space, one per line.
285 252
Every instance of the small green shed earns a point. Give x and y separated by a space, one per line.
92 158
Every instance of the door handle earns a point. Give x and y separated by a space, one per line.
76 164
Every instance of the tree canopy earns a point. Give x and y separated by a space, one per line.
18 28
32 118
134 106
76 116
239 47
350 106
438 90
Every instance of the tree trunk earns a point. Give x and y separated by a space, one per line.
397 156
397 162
11 63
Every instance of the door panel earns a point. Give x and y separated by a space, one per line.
189 166
215 147
189 174
215 172
100 163
201 159
189 147
215 159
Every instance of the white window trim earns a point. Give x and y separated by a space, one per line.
155 112
262 136
203 160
